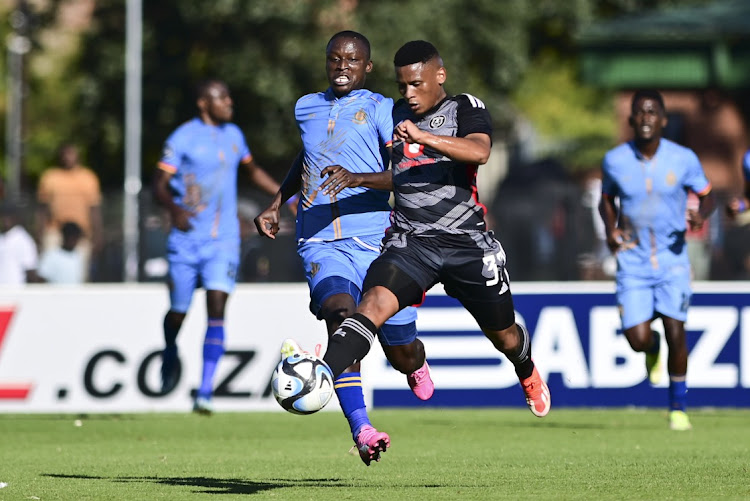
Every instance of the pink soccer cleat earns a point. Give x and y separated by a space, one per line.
421 383
370 443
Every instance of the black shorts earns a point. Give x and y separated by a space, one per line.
471 268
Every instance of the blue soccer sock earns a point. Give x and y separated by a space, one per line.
677 393
348 388
213 349
170 333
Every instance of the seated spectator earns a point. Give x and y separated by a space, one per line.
70 192
64 264
18 254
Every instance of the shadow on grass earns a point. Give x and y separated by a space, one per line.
209 485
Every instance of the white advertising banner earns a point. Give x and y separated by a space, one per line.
96 349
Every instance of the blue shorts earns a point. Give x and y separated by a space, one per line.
640 299
339 267
211 264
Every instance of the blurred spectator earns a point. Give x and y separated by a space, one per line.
698 243
70 192
741 203
18 254
64 264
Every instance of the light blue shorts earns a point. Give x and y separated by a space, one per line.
346 259
641 299
210 264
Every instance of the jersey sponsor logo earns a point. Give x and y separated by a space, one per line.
413 163
437 121
413 150
360 117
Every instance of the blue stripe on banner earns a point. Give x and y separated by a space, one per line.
579 343
463 362
637 396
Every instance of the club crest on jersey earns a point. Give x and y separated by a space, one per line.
671 178
437 121
360 117
314 268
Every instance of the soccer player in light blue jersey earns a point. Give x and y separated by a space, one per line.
343 179
740 204
196 181
650 177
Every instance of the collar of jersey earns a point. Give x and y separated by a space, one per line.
640 156
201 123
330 96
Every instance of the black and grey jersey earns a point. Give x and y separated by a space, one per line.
434 194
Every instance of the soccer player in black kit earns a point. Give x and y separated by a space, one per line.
438 232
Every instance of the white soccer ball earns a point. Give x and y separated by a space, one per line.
302 383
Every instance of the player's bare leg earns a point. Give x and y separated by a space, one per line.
170 362
410 359
515 343
642 338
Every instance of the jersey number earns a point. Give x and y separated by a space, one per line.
491 263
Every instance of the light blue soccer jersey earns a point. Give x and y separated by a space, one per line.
746 166
204 160
653 203
352 131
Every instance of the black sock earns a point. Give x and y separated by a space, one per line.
350 343
170 333
522 358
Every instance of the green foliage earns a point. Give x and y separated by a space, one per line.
578 121
48 89
271 53
482 454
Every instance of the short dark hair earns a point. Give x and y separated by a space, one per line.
416 51
351 35
647 94
71 229
201 88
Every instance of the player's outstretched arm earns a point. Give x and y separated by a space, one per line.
706 206
617 239
163 196
267 222
261 178
738 205
340 178
473 149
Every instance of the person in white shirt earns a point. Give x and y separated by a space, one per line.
64 265
18 254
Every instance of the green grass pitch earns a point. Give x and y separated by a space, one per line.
435 455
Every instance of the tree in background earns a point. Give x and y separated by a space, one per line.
518 56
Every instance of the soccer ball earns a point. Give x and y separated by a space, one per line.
302 383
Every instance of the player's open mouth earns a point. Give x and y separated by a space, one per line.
342 80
